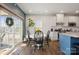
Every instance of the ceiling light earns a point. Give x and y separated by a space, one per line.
46 11
77 11
61 11
30 11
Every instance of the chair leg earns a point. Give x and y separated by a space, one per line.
42 49
28 43
48 44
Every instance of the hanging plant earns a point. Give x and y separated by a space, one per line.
31 22
9 21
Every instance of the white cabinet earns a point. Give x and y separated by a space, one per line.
72 19
68 19
77 22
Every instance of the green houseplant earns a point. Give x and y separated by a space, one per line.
31 22
31 25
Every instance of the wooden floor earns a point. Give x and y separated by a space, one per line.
23 49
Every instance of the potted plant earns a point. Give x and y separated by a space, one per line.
31 25
31 22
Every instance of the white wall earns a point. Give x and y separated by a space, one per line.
45 22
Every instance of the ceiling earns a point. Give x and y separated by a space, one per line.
49 8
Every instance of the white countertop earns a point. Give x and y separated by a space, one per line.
72 34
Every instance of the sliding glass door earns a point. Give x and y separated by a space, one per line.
10 35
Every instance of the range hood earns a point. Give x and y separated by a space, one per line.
60 19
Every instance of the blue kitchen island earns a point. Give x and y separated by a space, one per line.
68 41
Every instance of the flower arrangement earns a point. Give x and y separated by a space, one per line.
37 30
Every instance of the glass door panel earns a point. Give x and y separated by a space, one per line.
10 36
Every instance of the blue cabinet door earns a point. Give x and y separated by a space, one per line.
74 43
65 44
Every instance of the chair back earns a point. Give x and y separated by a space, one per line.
47 37
38 36
28 34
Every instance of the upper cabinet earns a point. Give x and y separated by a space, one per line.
77 21
72 19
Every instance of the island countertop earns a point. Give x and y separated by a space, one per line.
72 34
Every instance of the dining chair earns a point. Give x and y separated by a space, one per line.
47 39
39 37
30 40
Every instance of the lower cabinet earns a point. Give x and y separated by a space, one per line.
65 44
68 44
